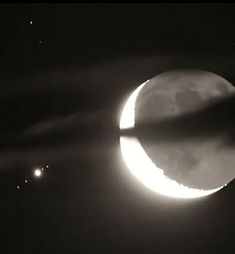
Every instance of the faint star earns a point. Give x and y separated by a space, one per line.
25 180
30 22
18 187
40 42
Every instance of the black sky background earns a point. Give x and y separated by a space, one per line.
60 105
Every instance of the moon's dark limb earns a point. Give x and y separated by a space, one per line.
182 140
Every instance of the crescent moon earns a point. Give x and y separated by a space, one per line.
141 165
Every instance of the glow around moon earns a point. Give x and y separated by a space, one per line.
142 167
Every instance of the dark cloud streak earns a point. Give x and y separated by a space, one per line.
214 119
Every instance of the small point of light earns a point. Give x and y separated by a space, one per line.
40 42
43 169
47 166
25 180
18 187
30 22
37 172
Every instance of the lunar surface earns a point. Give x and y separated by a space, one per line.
201 163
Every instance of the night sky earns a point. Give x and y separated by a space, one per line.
65 72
